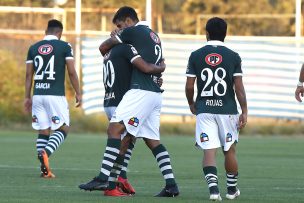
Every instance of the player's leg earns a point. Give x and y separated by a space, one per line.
208 140
121 163
40 122
56 139
164 163
116 185
229 138
231 167
110 155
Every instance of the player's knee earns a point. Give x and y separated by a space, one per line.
64 128
115 130
44 132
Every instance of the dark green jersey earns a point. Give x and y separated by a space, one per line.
148 45
49 60
117 71
215 67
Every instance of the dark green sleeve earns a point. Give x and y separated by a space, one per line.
69 51
190 72
127 35
238 66
29 57
130 53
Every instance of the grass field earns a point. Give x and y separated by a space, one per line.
271 170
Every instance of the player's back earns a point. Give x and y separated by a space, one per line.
49 61
148 44
215 65
117 70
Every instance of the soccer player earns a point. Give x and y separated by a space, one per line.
300 89
118 64
45 64
219 77
139 111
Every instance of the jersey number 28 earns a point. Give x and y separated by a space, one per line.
207 75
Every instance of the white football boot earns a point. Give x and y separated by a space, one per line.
233 196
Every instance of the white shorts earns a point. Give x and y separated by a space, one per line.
110 112
49 112
139 110
216 130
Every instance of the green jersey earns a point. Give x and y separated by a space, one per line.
117 71
148 45
49 60
215 67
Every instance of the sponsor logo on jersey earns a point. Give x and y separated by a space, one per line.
204 137
154 37
228 137
34 119
213 59
134 121
55 119
45 49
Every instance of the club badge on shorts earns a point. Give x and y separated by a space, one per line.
34 119
204 137
133 121
228 137
55 119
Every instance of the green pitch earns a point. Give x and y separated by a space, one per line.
271 170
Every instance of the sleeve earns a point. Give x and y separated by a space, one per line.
190 72
238 67
131 53
126 35
69 52
29 58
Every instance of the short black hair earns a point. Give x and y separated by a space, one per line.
54 26
217 28
123 13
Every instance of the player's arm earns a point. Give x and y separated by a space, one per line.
241 97
189 90
107 45
74 80
28 86
300 89
148 68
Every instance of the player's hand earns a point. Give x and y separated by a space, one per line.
242 121
299 93
160 81
114 32
78 98
192 108
162 65
27 105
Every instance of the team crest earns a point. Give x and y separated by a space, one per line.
154 37
45 49
34 119
55 119
213 59
134 121
204 137
228 137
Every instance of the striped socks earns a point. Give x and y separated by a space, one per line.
162 157
125 163
231 182
41 142
211 178
109 158
115 172
55 140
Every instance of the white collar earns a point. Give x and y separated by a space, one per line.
50 37
142 23
215 43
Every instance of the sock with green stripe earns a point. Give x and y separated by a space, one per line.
109 158
163 159
41 141
115 172
211 178
56 139
127 158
